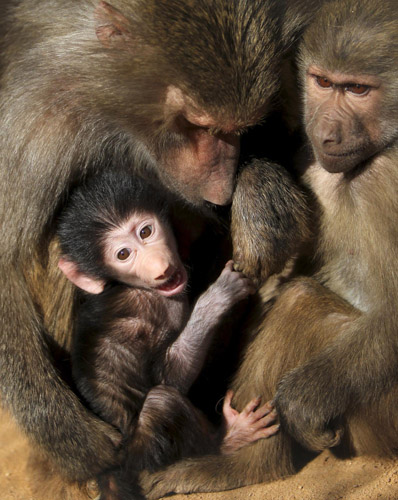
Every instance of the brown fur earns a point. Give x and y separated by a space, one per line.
327 343
357 244
263 240
272 458
53 295
83 86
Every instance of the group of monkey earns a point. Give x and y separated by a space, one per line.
120 118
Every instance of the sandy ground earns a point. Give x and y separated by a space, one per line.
326 478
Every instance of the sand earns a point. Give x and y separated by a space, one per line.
325 478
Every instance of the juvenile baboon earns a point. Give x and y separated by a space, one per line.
85 85
328 344
351 103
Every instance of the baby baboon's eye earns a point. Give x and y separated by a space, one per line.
124 253
145 232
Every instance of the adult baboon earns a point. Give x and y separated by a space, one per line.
84 85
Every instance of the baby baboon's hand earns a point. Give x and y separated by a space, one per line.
252 424
230 287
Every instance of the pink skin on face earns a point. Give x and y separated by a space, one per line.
142 252
204 167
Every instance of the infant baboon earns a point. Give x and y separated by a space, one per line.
139 345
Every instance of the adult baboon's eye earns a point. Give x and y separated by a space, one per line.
323 82
145 232
358 88
124 253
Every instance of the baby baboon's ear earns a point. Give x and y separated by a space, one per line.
80 279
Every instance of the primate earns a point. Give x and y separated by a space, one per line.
327 349
138 348
88 84
350 111
266 246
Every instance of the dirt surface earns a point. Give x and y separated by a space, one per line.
326 478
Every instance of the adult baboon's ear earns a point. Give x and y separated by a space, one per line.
80 279
111 26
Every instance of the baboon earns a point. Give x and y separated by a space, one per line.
350 104
138 347
325 347
87 85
